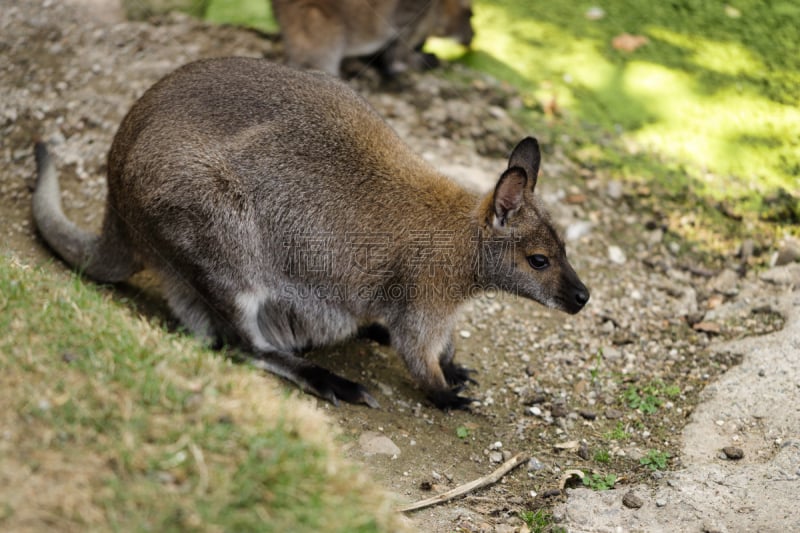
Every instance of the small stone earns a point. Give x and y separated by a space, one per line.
707 327
577 230
782 275
588 415
733 452
496 457
373 443
465 334
534 464
746 249
559 410
655 236
614 190
661 502
616 255
789 252
632 501
583 451
613 414
725 283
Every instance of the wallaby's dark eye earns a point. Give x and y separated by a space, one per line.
538 261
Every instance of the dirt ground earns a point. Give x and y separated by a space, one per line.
551 386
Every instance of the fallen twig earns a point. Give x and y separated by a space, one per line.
494 477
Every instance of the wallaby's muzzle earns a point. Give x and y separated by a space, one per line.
574 294
580 296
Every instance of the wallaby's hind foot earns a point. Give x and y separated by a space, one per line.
314 379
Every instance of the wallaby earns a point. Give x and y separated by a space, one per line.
319 34
281 213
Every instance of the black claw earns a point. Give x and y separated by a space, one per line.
450 400
333 388
457 376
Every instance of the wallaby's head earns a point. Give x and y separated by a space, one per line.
455 21
521 252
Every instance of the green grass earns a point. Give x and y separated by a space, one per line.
655 460
111 423
602 456
711 95
705 113
618 433
599 481
538 521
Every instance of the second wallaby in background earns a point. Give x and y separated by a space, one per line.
319 34
281 213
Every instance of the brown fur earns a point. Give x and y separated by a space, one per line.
319 34
281 212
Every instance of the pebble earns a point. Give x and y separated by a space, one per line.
588 415
616 255
614 190
373 443
496 457
613 414
559 410
583 451
661 502
465 334
725 283
782 275
733 452
577 230
632 501
789 252
534 464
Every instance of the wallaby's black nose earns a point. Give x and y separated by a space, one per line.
582 296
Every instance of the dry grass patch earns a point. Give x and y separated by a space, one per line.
110 423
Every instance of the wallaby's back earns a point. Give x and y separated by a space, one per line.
275 144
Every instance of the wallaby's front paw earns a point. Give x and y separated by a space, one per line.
457 376
333 388
449 399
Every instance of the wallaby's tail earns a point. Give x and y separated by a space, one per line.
107 257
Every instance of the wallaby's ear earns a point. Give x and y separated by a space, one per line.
508 195
526 156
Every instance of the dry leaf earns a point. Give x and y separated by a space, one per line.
628 43
569 445
568 474
707 327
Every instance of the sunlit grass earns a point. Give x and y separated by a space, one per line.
255 14
712 97
728 135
